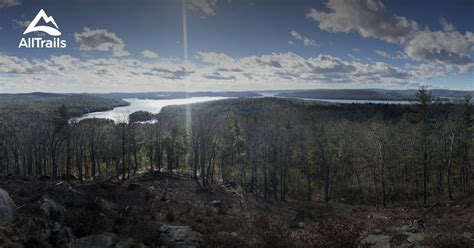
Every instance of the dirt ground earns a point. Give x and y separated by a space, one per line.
222 215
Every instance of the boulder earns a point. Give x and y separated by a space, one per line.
179 236
129 243
60 235
377 231
413 226
7 208
416 226
301 224
379 241
149 193
467 235
416 237
216 203
229 239
50 208
108 240
106 205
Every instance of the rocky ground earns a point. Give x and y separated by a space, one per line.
157 210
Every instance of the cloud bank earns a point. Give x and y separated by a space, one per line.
371 19
149 54
218 71
306 41
367 17
206 6
100 40
9 3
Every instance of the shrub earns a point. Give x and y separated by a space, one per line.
338 232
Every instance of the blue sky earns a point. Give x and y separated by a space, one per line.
118 45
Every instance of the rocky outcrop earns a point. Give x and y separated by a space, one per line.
410 235
416 237
104 240
106 205
96 241
50 208
379 241
7 208
179 236
414 231
60 235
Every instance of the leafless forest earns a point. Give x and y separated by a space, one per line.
277 151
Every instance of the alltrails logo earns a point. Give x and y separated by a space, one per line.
39 42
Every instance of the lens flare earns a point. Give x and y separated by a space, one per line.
185 48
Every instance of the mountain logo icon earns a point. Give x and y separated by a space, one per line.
47 29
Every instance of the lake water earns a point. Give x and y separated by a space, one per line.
120 114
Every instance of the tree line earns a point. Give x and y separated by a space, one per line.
273 148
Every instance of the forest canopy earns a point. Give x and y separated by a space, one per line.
274 148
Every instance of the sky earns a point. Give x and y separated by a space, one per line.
237 45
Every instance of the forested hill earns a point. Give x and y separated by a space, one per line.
349 94
179 94
77 104
371 94
282 147
295 110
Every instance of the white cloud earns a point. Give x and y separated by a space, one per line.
1 28
309 42
449 48
470 38
16 65
21 23
218 76
215 71
306 41
367 17
447 27
430 70
174 72
384 54
370 19
64 62
149 54
216 58
206 6
296 35
9 3
100 40
290 67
